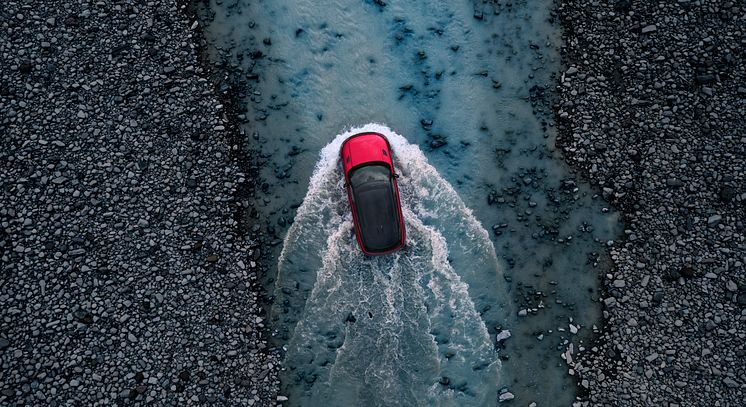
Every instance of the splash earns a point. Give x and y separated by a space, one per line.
404 328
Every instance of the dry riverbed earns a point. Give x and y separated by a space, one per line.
653 110
124 277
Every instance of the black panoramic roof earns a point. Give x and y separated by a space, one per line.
376 207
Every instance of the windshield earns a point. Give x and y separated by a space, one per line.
376 209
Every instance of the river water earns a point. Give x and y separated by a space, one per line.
501 235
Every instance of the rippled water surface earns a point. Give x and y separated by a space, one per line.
402 328
496 224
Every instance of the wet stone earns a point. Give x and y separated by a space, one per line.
507 396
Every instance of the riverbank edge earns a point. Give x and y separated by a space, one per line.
243 156
124 271
657 303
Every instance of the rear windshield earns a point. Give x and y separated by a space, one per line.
376 208
369 173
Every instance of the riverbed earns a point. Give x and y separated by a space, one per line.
469 88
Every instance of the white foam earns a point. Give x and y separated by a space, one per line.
415 317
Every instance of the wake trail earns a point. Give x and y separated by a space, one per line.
405 328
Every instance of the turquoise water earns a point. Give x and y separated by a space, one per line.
496 223
403 328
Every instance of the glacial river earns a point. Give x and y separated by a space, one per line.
501 234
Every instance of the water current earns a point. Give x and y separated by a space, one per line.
399 328
497 226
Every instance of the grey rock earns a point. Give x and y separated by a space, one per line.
741 298
730 383
502 335
675 183
731 286
507 396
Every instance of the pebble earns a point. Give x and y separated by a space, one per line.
507 396
681 194
731 286
95 209
730 383
651 357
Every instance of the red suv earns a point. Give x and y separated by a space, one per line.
370 180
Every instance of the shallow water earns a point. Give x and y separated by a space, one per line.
389 329
469 96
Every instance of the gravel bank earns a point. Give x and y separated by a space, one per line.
124 278
653 110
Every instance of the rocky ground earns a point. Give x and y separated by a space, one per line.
124 278
653 110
